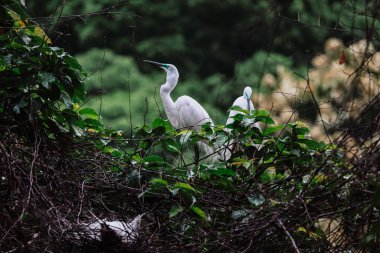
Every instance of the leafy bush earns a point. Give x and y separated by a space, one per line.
41 84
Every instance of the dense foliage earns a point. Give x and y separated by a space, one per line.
218 47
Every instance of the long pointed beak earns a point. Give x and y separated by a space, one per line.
249 105
154 62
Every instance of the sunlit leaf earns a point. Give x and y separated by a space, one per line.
89 113
158 182
38 31
184 186
199 212
301 229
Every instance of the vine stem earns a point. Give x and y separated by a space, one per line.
279 222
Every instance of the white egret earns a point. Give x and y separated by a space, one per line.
126 232
244 102
185 112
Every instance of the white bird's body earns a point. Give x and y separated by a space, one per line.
245 103
185 112
126 232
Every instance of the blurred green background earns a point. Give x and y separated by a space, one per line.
219 47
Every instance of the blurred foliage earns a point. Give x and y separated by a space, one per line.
217 46
118 90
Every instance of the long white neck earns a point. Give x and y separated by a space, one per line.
169 106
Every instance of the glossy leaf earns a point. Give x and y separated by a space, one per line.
199 212
89 113
184 186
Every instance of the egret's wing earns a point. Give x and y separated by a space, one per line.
242 103
191 113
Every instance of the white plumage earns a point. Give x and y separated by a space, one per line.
126 232
185 112
244 102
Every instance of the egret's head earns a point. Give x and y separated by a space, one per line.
169 68
247 93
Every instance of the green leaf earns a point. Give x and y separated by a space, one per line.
312 144
263 116
199 212
268 175
301 130
93 123
261 113
158 123
184 186
256 199
221 172
161 123
158 182
238 109
71 62
175 210
153 159
172 146
143 145
3 65
117 153
89 113
270 130
45 79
